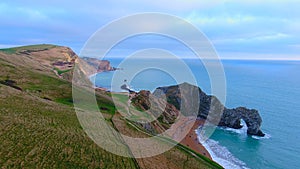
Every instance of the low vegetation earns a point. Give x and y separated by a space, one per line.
60 72
21 49
39 127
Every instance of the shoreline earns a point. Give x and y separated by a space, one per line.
191 140
94 85
221 155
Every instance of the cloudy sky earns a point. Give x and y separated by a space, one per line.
248 29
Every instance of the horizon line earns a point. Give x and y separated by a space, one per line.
253 59
221 58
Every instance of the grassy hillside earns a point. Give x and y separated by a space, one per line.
31 47
39 128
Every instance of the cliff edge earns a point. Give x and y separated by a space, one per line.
210 108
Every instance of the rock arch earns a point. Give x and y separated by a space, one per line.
232 117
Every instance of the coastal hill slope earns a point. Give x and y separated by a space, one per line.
38 124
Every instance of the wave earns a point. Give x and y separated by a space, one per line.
243 131
222 155
267 136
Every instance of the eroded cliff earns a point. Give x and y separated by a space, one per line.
188 99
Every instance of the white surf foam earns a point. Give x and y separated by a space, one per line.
222 155
267 136
242 131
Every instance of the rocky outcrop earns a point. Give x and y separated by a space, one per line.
231 118
164 112
188 99
159 108
99 65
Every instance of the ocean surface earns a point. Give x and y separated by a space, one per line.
272 87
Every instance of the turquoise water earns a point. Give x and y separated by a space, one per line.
272 87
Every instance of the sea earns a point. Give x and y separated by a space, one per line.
270 86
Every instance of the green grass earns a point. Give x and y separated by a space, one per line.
30 47
136 113
66 101
9 50
36 134
60 72
89 101
39 127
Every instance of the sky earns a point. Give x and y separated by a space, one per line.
248 29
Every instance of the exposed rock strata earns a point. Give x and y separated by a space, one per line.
99 65
188 99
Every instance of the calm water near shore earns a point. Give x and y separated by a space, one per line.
272 87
